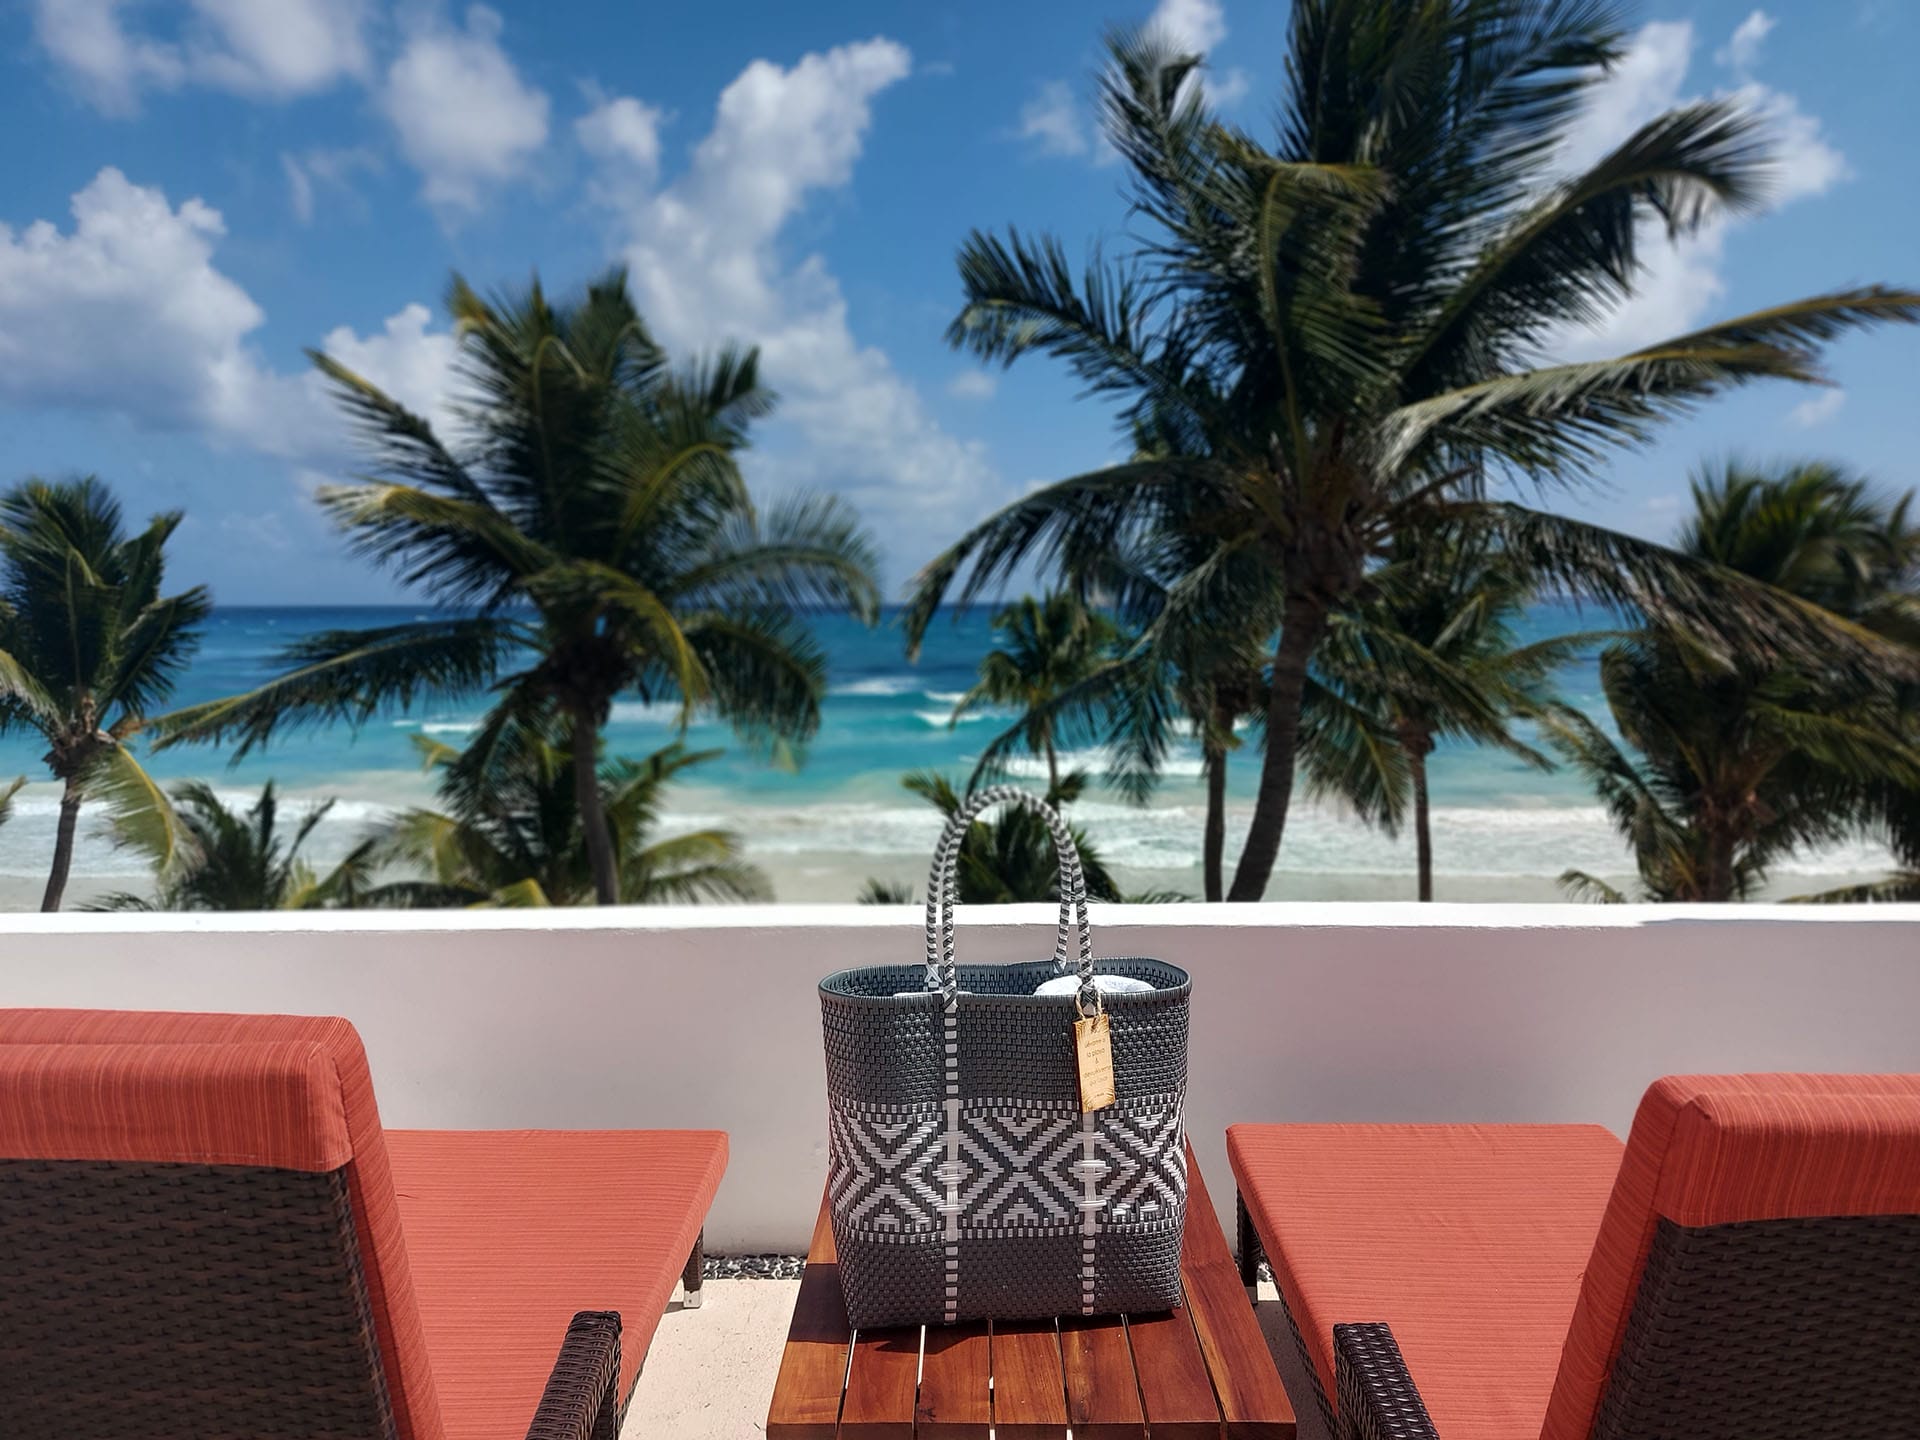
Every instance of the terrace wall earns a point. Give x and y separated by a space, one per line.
707 1017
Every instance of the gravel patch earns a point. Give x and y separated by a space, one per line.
753 1267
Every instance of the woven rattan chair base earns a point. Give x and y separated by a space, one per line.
1757 1330
183 1302
1772 1330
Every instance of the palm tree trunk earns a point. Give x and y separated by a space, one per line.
1719 876
1422 819
1053 771
1214 846
63 845
1302 624
593 815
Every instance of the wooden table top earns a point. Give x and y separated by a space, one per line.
1201 1370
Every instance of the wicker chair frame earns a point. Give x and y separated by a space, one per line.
202 1302
1805 1329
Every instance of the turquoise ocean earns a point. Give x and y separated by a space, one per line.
1500 826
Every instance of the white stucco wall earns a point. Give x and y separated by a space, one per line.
707 1017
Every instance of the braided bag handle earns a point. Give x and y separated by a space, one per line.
943 882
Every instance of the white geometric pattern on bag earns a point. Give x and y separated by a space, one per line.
1020 1167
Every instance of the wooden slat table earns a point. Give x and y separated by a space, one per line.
1201 1370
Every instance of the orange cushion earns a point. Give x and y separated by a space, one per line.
383 1249
1467 1239
512 1231
1711 1150
262 1105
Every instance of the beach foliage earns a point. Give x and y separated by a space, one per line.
517 842
247 860
90 645
1730 762
1045 647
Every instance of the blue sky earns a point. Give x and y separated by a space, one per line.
198 189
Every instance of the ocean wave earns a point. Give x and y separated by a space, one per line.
644 712
1468 841
946 720
450 727
878 685
1096 761
945 697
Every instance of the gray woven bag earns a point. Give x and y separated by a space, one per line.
963 1180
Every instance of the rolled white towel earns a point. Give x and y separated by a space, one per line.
1105 984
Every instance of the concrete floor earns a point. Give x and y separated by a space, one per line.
709 1374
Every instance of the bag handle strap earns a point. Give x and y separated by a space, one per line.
943 883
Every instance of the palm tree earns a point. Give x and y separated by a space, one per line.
1343 329
88 647
1741 759
591 535
1048 646
1009 859
518 841
1429 653
7 792
244 862
1200 680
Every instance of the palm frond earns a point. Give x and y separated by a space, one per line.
350 676
140 812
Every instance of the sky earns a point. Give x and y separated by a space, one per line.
199 190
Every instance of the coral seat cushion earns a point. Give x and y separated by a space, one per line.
1717 1149
1469 1240
511 1232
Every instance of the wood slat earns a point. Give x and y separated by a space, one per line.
1103 1398
1253 1402
1174 1386
1029 1395
956 1401
813 1366
880 1385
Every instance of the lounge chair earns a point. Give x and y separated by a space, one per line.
204 1232
1748 1267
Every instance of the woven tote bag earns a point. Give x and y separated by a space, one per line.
964 1180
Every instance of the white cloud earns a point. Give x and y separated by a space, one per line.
623 132
973 385
1194 25
1680 284
1742 52
1056 122
707 265
464 117
1645 82
123 312
270 48
1052 120
126 313
322 171
1818 410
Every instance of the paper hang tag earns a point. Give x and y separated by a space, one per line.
1093 1056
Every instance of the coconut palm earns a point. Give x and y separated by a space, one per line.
89 646
245 862
7 792
1047 646
587 526
1009 858
1200 681
1343 326
519 842
1428 654
1741 760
